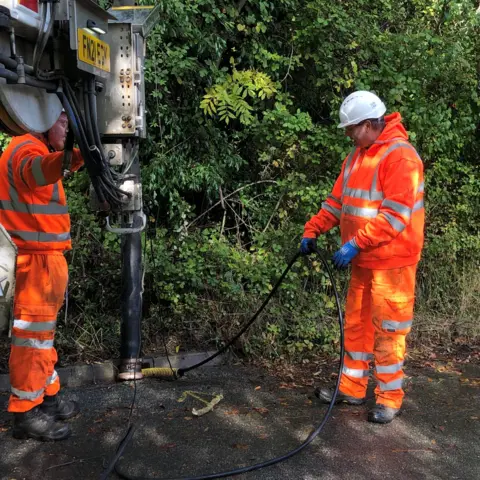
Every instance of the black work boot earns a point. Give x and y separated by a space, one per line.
382 414
326 394
59 409
39 426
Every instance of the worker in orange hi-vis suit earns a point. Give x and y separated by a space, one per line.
33 210
378 202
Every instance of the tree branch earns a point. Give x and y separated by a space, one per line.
225 198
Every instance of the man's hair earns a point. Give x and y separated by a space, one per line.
377 123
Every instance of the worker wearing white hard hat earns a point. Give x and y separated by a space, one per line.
360 106
377 201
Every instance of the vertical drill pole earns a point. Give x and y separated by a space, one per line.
132 295
132 291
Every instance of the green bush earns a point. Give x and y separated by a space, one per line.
243 147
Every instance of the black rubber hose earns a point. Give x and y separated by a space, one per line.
33 82
96 166
96 132
8 74
93 114
289 454
182 371
86 109
73 121
12 64
72 98
41 43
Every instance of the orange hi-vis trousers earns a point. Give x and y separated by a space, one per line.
379 314
41 281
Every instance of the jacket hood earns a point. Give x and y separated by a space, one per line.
394 129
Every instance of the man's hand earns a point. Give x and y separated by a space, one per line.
346 254
308 245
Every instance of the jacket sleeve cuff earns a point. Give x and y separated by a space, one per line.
354 242
77 160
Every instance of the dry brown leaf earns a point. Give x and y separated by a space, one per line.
233 411
241 446
168 446
261 410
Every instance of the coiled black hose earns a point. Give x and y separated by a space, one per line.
131 429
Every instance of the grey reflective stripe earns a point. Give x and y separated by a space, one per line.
372 194
393 326
15 205
396 367
394 222
334 198
38 172
359 211
40 236
355 372
32 342
363 194
336 212
27 395
394 385
347 171
51 379
22 166
364 356
32 209
55 195
34 326
419 204
397 145
397 207
421 187
389 150
357 193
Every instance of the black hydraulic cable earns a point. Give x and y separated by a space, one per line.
34 82
104 181
182 371
42 42
92 101
86 109
90 83
73 121
108 177
41 33
31 81
8 74
12 64
72 98
275 460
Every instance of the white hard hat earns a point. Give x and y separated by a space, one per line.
360 106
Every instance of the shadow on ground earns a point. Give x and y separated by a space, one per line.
437 437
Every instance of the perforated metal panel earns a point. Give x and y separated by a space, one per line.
121 103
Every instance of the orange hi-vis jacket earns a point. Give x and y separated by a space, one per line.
33 207
378 201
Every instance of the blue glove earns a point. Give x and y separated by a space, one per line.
346 254
308 245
